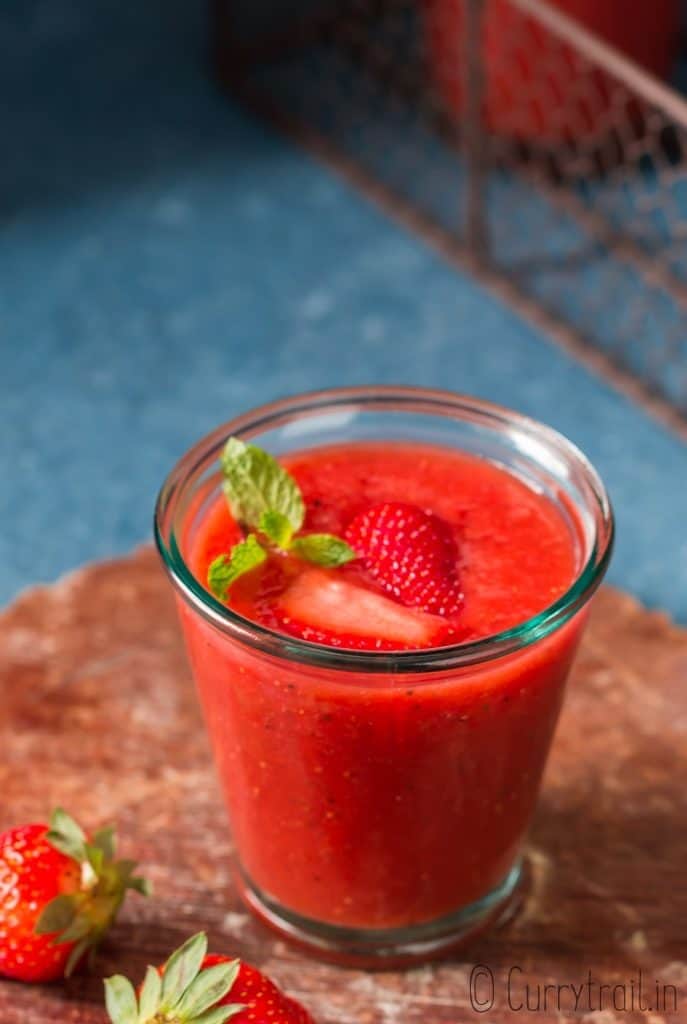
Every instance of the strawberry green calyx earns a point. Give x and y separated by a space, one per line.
183 992
84 916
264 497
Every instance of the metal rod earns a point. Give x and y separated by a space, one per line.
602 54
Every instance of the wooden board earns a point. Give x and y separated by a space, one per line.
97 712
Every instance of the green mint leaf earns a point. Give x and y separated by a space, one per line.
150 995
205 991
226 568
277 527
220 576
120 1000
323 549
66 836
181 968
255 483
56 916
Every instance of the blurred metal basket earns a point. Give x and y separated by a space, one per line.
527 149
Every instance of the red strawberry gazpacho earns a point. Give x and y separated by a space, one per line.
379 800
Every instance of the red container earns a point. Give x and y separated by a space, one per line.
538 87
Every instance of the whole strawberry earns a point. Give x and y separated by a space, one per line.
411 553
196 988
59 893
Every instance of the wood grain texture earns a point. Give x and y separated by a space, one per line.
97 712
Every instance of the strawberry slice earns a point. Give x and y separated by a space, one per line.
321 602
412 555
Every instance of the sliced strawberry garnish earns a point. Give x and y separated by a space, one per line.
321 602
412 555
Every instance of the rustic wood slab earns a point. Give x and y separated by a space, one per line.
97 712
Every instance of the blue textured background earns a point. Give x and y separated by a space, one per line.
166 262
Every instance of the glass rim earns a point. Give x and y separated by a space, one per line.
419 400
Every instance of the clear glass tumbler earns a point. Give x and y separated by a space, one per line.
378 801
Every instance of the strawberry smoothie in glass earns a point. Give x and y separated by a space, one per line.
381 592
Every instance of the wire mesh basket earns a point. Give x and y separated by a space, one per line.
526 146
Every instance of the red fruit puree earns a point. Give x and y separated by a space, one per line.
384 800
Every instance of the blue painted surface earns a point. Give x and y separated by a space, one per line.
166 262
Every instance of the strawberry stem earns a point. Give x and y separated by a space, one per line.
83 917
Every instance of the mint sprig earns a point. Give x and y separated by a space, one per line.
323 549
276 527
226 568
255 484
264 497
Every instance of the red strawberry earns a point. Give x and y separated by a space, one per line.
59 893
264 1003
196 988
411 553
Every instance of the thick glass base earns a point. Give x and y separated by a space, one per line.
385 947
